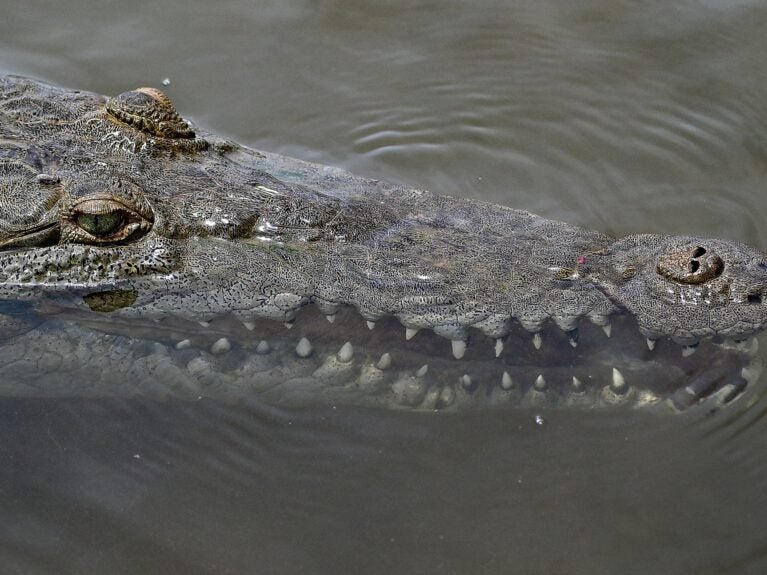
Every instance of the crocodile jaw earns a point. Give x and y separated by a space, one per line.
69 352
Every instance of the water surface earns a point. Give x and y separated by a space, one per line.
620 116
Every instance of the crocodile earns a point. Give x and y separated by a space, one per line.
142 255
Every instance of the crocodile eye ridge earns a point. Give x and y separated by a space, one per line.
151 111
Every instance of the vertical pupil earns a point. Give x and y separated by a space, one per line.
99 224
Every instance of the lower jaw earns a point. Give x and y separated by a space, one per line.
344 362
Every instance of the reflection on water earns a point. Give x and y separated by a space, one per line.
616 116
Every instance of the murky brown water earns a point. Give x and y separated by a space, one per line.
620 116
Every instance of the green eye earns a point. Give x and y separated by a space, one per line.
100 224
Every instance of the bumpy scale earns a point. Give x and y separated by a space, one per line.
122 197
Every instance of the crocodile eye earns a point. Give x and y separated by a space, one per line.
690 265
103 221
100 224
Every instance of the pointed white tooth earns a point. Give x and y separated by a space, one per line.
422 371
540 383
249 325
331 318
577 384
204 323
745 344
410 332
384 362
537 341
447 396
459 348
184 344
263 347
650 344
466 380
506 381
220 346
619 382
608 329
288 324
371 324
574 342
498 347
345 353
304 348
688 350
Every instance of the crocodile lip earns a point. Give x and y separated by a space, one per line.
382 364
43 234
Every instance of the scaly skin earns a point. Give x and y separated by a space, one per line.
117 216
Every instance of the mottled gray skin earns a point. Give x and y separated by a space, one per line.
163 222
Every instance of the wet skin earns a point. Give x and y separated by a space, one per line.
138 254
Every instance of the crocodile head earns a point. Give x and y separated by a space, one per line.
137 252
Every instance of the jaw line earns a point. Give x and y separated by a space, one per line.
653 377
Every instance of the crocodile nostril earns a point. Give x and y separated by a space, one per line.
694 266
754 298
699 251
690 264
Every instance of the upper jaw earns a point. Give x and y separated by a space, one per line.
686 288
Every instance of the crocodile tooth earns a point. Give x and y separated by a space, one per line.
204 323
431 398
577 384
410 332
752 371
498 347
540 383
289 324
422 370
184 344
745 344
651 344
447 396
465 380
263 347
572 335
330 317
459 348
619 382
688 350
304 348
371 324
506 381
345 353
608 329
220 346
537 341
384 362
249 325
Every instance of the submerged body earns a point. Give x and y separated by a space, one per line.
137 253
